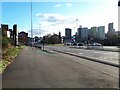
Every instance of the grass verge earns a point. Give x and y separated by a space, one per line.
8 57
55 44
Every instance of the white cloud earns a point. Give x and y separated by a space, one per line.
100 16
68 4
58 5
55 22
52 18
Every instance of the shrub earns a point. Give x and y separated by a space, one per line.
8 57
6 41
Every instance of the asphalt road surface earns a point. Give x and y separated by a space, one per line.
34 68
101 55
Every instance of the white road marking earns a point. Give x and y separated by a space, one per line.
103 52
80 53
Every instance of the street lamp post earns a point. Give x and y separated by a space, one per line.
40 29
31 26
76 23
40 36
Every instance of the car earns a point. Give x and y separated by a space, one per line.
67 44
97 44
81 45
89 46
74 44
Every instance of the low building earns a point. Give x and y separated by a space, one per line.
6 31
23 38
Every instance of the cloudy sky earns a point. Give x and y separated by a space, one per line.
52 17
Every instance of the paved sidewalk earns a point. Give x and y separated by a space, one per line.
103 48
107 62
106 57
34 68
111 48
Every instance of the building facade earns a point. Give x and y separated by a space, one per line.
68 34
11 33
110 27
15 34
78 34
111 31
84 33
101 32
23 38
4 29
94 32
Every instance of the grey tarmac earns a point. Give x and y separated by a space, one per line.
34 68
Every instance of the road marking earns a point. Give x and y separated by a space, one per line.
103 52
80 53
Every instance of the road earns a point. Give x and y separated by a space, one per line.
34 68
101 55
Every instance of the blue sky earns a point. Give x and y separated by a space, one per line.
49 17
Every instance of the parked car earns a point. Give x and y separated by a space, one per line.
74 44
67 44
97 44
81 45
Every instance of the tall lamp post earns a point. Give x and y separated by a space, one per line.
31 25
77 30
76 23
40 36
40 29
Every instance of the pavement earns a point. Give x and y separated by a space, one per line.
107 57
101 48
109 48
34 68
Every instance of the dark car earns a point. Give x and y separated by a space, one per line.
81 45
74 44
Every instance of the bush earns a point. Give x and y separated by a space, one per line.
8 57
0 41
6 41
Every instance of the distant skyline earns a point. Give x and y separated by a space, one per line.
56 16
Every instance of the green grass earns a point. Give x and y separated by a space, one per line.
55 44
8 57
